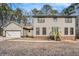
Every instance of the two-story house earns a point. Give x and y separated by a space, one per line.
43 25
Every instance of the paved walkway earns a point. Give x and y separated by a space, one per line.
34 40
40 40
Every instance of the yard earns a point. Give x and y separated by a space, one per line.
29 48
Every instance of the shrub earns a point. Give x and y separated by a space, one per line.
54 34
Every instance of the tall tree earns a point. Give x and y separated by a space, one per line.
47 10
18 15
4 11
8 14
54 11
35 11
69 10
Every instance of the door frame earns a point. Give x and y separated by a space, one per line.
12 30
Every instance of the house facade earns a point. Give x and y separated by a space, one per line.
43 25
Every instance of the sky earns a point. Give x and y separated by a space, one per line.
29 6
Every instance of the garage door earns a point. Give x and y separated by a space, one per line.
13 34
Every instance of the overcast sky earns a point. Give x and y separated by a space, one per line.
29 6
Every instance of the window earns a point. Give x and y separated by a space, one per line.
37 31
55 29
66 31
41 20
55 19
71 31
68 20
44 31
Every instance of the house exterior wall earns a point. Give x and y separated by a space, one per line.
30 33
27 32
49 23
12 26
77 27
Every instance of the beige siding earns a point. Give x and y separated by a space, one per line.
49 23
30 33
27 33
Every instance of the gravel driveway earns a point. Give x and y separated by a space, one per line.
24 48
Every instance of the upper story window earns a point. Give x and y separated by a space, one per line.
68 20
55 19
41 20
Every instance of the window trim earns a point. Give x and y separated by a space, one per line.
71 33
68 20
37 31
66 33
55 19
44 32
41 20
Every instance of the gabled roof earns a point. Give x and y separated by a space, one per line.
22 26
10 23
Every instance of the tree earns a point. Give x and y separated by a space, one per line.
8 14
65 11
69 10
47 10
18 15
35 11
54 11
4 11
24 19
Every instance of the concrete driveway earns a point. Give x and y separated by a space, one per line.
26 48
3 38
35 47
